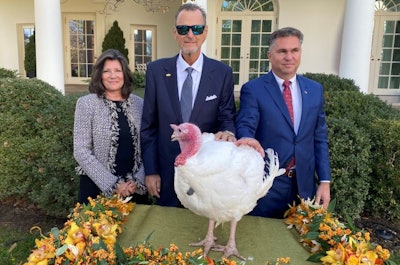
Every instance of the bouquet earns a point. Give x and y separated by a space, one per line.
330 240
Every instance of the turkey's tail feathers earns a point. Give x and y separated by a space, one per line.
272 162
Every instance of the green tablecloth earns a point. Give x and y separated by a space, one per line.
257 239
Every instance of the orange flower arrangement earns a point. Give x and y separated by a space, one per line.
329 240
90 237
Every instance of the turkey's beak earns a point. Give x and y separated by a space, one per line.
174 137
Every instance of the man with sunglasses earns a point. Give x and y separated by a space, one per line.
210 103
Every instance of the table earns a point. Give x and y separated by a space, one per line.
258 239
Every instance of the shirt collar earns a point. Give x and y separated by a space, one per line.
280 80
181 64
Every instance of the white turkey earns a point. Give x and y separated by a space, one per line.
220 180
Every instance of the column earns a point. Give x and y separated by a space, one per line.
357 41
49 52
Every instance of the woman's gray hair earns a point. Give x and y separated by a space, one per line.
285 32
191 7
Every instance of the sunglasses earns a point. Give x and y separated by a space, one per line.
196 29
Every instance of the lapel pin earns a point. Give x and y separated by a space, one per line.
167 74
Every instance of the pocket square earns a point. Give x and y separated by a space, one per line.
208 98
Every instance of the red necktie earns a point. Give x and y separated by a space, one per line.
287 95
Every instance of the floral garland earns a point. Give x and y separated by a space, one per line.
90 235
330 241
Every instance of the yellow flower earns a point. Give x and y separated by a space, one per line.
106 232
369 257
45 251
283 260
75 251
382 252
76 234
335 256
352 260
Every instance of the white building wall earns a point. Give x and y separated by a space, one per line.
11 14
166 45
321 22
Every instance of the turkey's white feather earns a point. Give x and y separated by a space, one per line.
223 181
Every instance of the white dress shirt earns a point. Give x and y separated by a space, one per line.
181 66
296 99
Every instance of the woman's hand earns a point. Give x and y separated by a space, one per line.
124 189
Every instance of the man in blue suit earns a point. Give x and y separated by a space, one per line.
300 138
212 103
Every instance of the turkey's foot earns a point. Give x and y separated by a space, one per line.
228 251
208 243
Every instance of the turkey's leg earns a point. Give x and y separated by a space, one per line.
209 241
230 248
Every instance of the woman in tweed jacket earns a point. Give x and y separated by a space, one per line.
106 133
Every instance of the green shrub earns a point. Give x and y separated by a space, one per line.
360 108
332 82
139 80
385 181
349 150
36 156
114 39
358 127
30 57
4 73
36 159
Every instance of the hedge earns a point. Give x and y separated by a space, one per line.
36 159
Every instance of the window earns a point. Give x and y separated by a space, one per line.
143 44
387 5
245 26
24 32
81 37
244 5
385 55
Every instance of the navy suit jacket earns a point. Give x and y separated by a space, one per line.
263 115
213 110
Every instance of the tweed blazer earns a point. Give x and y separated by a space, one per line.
93 136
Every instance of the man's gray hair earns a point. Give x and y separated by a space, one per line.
191 7
285 32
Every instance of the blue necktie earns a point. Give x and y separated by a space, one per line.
186 96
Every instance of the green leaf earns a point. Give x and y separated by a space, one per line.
314 226
331 206
390 262
312 235
119 252
56 234
103 262
350 223
148 237
103 245
316 257
96 247
61 250
164 251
